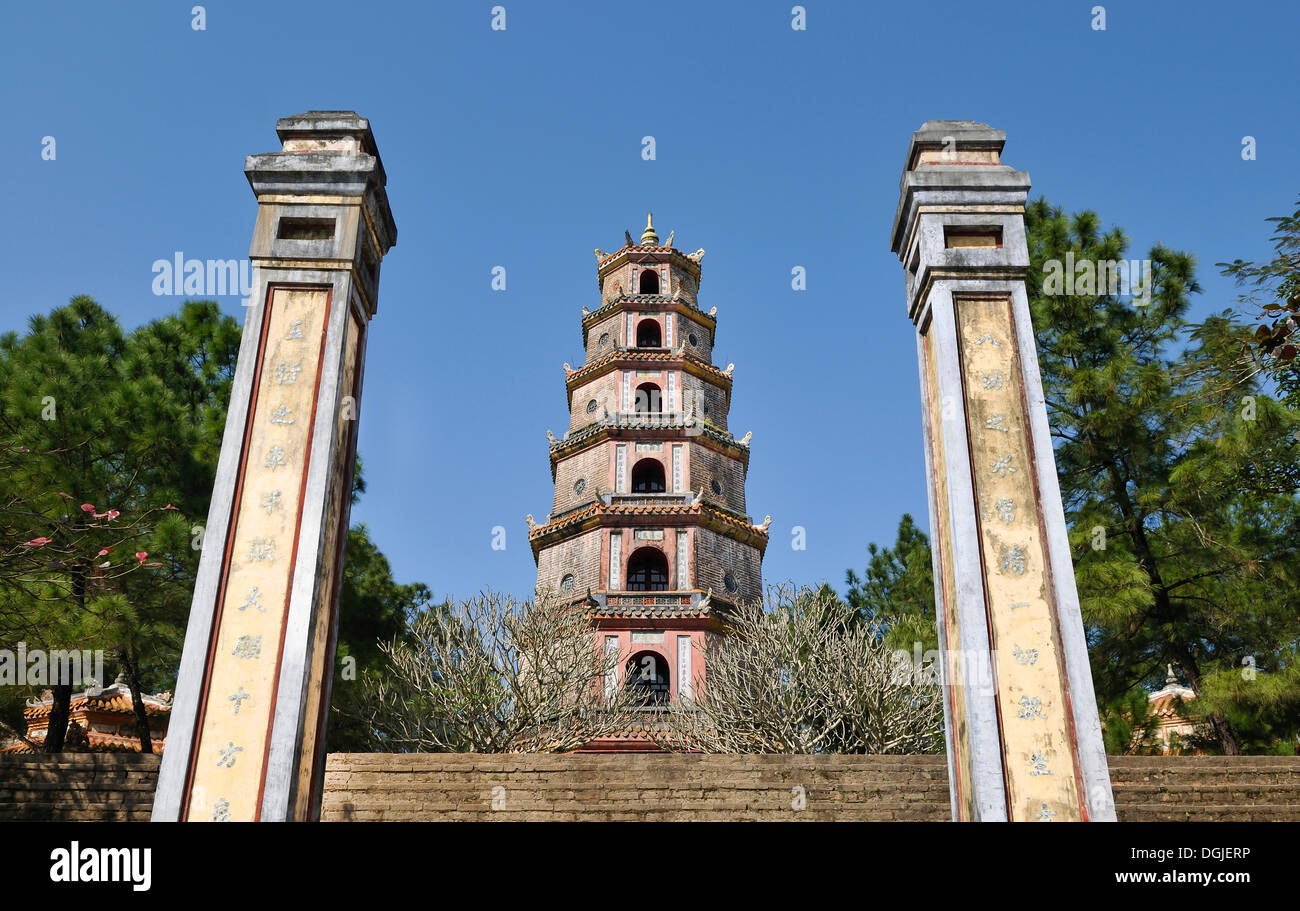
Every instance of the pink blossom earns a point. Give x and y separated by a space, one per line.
38 542
112 514
102 551
87 507
170 506
141 555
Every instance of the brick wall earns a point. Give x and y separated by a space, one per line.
642 787
710 399
592 466
362 786
707 466
717 555
78 787
578 555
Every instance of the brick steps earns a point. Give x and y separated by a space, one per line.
655 787
1208 813
1234 792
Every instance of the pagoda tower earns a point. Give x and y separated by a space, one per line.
648 524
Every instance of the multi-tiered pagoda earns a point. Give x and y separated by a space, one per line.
649 524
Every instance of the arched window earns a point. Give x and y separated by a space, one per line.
649 281
648 398
647 571
647 679
648 476
648 335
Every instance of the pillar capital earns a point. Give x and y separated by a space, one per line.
322 202
960 210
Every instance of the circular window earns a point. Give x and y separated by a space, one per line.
728 580
604 338
580 485
717 488
566 584
692 339
591 407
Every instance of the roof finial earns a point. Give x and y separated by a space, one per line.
1169 675
648 236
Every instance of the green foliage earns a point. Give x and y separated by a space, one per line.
1129 729
132 422
1272 292
373 609
1176 478
896 592
102 433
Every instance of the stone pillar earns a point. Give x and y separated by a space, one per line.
247 734
1024 740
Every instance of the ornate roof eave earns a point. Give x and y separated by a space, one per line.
639 253
601 431
655 302
597 514
632 358
113 700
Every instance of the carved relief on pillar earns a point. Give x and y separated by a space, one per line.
1032 703
258 571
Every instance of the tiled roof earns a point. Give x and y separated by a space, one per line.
683 304
1166 705
116 699
643 248
689 362
81 740
652 611
578 438
598 508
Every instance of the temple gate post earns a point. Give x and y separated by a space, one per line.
247 734
1023 735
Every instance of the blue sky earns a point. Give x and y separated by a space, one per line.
522 148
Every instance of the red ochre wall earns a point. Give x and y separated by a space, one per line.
444 786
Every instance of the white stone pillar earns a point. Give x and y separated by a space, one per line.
1024 740
246 738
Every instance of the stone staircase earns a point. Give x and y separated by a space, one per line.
1206 788
645 787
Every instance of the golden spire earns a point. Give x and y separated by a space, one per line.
648 236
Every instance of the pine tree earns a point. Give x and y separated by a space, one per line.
897 589
1179 556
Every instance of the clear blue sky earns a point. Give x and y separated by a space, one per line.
521 148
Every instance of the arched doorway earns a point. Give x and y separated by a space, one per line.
649 282
649 399
647 571
648 334
647 679
648 476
